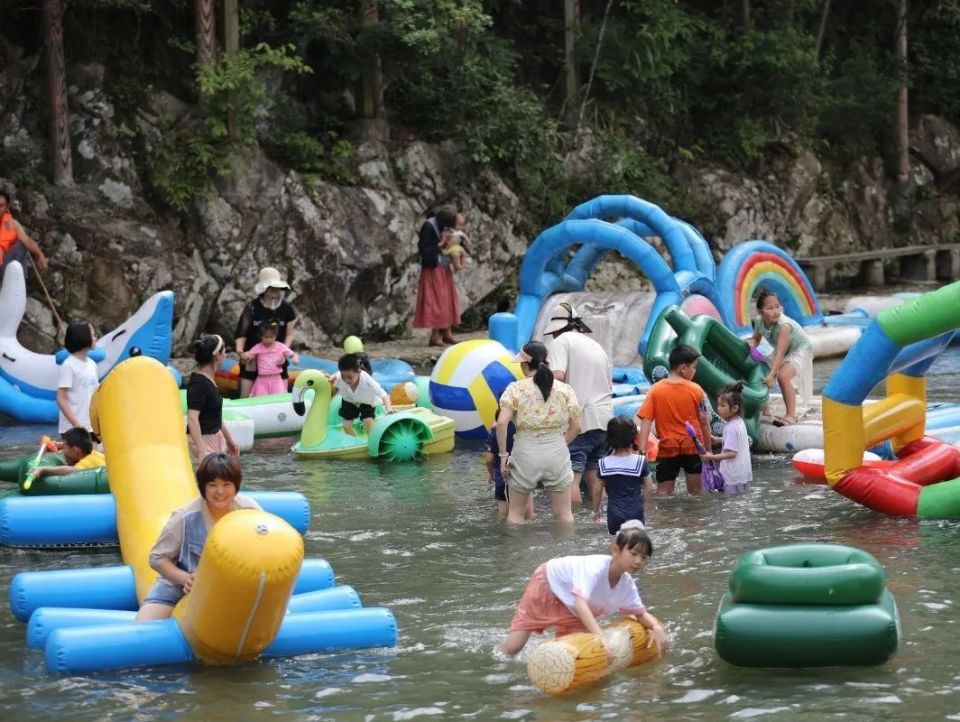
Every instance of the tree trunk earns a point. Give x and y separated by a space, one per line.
370 107
822 29
231 44
903 108
745 13
57 89
205 24
571 28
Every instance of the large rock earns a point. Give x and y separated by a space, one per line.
937 142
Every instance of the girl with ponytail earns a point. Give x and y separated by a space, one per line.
546 415
205 429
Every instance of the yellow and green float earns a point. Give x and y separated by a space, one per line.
400 436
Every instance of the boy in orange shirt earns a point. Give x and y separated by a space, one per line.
669 403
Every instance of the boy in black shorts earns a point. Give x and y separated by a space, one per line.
360 393
669 403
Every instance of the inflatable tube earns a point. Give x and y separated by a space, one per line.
387 371
313 632
807 605
784 635
830 341
92 519
809 462
901 345
45 620
271 416
578 660
113 587
81 650
28 381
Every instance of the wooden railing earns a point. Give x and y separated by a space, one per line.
909 263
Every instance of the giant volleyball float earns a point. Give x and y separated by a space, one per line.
254 594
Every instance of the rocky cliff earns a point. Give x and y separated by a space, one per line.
350 251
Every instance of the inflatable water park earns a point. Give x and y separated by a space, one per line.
257 596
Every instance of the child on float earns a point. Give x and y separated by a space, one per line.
78 378
792 351
501 490
360 393
569 593
270 356
205 429
669 404
734 457
175 555
625 476
78 453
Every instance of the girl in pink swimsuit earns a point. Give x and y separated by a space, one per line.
270 355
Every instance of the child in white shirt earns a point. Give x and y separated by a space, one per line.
569 593
78 378
360 393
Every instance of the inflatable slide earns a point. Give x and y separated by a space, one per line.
550 274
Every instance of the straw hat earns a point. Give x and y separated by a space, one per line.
269 278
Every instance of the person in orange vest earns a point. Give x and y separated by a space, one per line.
14 241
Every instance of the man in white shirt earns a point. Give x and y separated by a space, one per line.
583 363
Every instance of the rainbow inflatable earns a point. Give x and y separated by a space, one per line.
690 280
898 347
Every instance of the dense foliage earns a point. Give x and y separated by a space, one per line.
661 82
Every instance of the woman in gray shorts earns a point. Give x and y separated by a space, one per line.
547 418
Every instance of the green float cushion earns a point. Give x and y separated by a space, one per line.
798 574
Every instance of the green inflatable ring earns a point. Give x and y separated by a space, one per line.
807 605
807 574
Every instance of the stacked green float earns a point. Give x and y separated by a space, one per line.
807 605
725 359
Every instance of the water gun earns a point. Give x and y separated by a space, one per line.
46 444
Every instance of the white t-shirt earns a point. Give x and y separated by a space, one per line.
79 377
368 391
738 469
589 371
587 577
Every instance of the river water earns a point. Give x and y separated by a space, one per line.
425 540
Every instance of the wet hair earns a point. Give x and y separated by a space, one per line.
446 218
218 466
80 438
621 432
350 362
682 355
78 336
271 326
732 395
632 537
542 375
763 295
206 347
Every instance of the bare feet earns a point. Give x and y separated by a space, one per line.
449 339
435 340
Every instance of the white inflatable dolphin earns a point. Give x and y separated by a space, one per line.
28 380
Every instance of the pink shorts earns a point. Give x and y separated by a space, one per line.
266 385
541 609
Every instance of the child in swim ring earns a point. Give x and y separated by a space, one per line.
569 593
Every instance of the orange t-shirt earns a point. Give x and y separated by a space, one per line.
669 404
8 234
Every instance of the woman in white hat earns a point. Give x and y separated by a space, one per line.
269 305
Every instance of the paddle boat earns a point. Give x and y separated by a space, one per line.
399 436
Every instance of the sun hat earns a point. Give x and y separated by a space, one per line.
269 278
564 318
